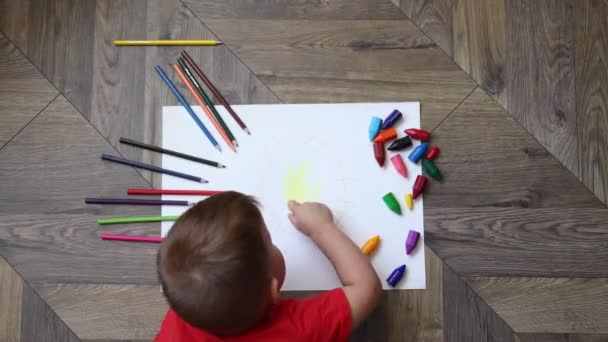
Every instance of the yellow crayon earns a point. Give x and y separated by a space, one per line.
409 201
174 42
370 246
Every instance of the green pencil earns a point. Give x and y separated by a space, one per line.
206 99
116 220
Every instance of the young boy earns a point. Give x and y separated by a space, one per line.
222 277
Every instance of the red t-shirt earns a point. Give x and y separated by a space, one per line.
324 318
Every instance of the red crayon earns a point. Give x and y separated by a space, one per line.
379 153
432 153
419 186
386 135
418 134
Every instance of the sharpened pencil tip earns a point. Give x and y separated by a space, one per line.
204 181
221 166
218 148
247 130
236 143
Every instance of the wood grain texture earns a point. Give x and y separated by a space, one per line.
540 69
520 242
479 43
59 33
61 248
126 312
320 61
414 315
481 144
562 338
433 17
467 318
54 163
591 22
17 109
11 288
40 322
557 305
294 9
17 74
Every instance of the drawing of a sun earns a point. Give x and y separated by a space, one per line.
298 186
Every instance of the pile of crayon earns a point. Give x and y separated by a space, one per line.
382 132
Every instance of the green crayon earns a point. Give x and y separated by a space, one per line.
431 169
391 203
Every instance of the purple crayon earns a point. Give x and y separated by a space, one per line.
396 276
391 119
412 241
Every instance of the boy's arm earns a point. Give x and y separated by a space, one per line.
359 279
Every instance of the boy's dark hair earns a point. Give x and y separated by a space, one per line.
214 264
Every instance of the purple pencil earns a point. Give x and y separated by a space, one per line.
134 201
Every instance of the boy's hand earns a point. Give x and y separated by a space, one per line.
309 217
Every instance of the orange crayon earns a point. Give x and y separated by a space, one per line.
386 135
370 246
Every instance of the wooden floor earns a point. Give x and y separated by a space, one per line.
514 91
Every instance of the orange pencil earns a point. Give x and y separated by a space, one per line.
202 104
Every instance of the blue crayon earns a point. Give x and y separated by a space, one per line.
374 127
391 119
396 276
418 153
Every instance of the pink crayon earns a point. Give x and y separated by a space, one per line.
399 165
411 242
133 238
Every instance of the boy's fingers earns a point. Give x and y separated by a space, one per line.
292 205
292 218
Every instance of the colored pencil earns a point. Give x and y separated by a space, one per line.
151 168
140 219
134 238
172 192
170 152
176 42
198 99
215 91
207 100
186 105
91 200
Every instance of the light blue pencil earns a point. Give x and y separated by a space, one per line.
184 103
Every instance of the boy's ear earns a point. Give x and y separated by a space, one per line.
275 291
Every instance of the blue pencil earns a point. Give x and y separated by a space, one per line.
184 103
152 168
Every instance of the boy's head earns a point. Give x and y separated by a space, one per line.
218 267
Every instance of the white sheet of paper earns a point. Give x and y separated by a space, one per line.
329 145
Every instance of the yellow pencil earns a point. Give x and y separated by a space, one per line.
167 42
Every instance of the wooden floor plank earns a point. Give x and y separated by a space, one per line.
17 74
540 73
11 289
557 305
479 43
481 144
310 61
433 17
17 109
128 312
61 152
562 337
591 22
40 322
520 242
59 33
295 9
466 317
60 248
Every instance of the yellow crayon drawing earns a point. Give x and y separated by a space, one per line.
297 185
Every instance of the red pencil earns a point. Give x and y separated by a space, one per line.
133 238
172 192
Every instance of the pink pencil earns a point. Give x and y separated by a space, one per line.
134 238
